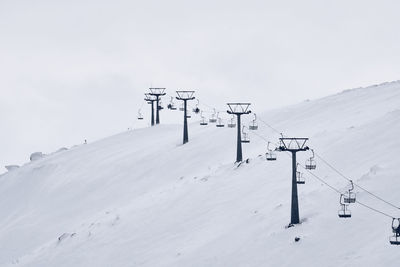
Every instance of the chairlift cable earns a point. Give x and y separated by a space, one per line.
338 191
269 125
341 174
260 136
362 188
321 180
373 209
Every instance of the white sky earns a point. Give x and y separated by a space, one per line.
75 70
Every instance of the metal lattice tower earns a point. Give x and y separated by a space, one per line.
239 109
150 100
185 96
294 145
157 93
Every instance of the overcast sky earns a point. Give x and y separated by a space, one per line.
75 70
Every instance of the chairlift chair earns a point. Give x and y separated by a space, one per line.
188 115
213 118
140 116
220 123
232 123
395 239
160 105
182 107
196 109
350 197
245 136
310 163
270 155
171 104
299 177
203 121
254 126
344 212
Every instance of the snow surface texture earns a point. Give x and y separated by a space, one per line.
11 167
141 198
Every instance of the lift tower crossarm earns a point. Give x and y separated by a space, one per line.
239 109
185 96
157 93
294 145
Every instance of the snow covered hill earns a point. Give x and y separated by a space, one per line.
141 198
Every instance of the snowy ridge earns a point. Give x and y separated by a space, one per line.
140 198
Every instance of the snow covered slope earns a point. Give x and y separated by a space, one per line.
141 198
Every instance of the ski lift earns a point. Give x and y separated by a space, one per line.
350 197
140 116
182 107
171 104
344 212
245 136
220 123
395 239
254 125
203 121
188 115
231 122
299 177
310 163
213 119
196 109
271 155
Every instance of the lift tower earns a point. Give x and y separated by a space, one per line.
239 109
157 93
185 96
150 100
294 145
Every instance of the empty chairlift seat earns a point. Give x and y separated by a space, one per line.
139 116
245 136
270 155
344 212
350 196
203 121
213 118
254 125
232 123
220 123
395 239
299 177
310 163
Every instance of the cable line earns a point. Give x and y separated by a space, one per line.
338 191
321 180
373 209
275 130
341 174
362 188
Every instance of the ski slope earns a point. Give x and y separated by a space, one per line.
140 198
